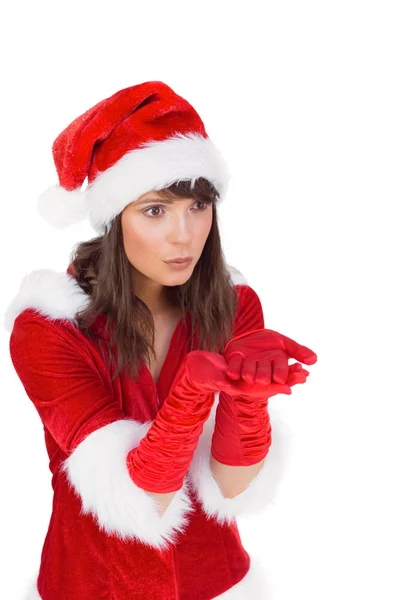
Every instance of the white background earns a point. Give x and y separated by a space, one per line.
303 100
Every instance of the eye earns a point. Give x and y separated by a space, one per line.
151 208
205 206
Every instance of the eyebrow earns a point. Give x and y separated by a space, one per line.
157 200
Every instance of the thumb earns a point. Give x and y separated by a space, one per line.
299 352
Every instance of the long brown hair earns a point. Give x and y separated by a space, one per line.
103 272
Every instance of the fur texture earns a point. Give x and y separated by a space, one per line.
262 489
154 166
97 471
55 295
62 208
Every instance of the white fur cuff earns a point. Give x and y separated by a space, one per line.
254 585
97 471
262 489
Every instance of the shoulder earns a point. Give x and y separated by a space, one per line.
39 345
249 312
247 297
41 317
46 295
246 294
42 326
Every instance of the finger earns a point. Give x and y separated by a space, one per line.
295 367
298 368
280 368
296 378
264 371
234 366
299 352
248 373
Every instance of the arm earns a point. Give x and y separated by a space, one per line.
228 490
71 390
162 500
233 480
263 487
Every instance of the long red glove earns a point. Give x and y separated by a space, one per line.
160 462
242 434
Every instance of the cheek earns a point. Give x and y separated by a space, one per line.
200 231
141 243
205 227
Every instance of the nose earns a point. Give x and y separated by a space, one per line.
180 228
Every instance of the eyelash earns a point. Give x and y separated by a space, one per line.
159 206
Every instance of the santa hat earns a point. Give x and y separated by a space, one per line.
142 138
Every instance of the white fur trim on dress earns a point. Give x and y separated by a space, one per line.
253 586
97 471
31 591
57 295
236 276
154 166
262 489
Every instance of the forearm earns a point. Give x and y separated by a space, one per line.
233 480
163 500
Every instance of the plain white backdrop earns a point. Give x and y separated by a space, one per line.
303 100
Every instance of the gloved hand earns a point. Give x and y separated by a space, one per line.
242 434
255 354
161 460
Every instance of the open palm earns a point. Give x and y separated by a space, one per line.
209 371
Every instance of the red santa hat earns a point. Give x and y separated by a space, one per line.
142 138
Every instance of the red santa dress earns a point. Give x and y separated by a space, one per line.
106 539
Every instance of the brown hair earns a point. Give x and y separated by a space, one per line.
103 272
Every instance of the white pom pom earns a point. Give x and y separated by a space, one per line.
62 208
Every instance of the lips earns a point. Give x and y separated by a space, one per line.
179 260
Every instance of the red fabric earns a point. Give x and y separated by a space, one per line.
122 123
242 435
79 561
160 462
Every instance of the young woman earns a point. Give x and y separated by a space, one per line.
151 379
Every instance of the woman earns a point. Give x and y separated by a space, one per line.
151 380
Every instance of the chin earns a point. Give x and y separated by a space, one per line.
178 278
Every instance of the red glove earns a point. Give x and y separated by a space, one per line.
162 459
242 434
251 355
